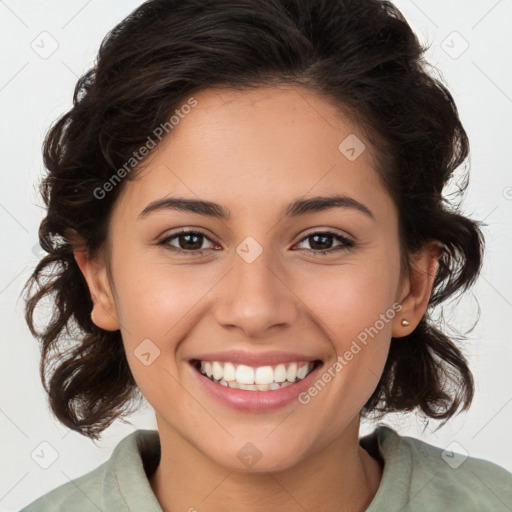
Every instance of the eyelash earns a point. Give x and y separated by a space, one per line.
347 243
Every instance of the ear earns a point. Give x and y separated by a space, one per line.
104 312
417 288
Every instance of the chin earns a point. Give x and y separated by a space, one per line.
254 458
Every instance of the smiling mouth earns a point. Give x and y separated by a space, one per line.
263 378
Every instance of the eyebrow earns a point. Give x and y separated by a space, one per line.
294 209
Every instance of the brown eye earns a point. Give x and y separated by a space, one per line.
188 242
322 242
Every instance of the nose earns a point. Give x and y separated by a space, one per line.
257 297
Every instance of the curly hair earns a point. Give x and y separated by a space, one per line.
360 53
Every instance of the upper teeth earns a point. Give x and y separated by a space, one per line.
260 375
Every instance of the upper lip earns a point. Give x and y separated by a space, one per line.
254 359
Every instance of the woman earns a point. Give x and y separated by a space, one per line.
245 206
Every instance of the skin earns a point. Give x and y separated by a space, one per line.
253 152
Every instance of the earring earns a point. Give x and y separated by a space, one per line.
405 322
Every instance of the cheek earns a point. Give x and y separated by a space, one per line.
353 306
349 297
157 307
156 299
161 301
157 312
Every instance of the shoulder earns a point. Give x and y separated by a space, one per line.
118 484
424 477
80 494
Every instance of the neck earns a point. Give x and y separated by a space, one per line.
342 476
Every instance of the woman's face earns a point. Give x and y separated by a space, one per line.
261 284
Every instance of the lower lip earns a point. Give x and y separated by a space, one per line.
255 401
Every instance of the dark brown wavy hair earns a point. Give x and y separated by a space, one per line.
360 53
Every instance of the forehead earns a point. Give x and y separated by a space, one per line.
259 149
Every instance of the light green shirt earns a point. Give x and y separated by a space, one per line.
417 477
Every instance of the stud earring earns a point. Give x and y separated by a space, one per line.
405 322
